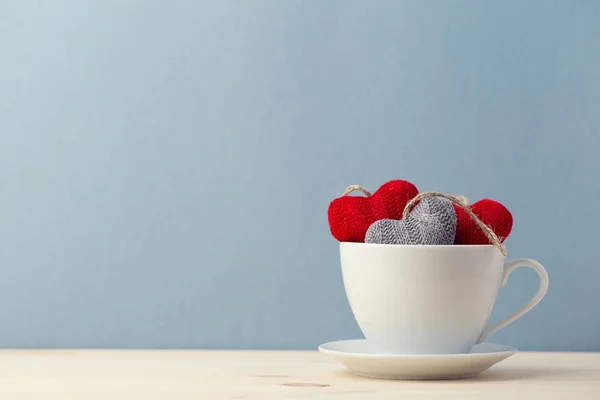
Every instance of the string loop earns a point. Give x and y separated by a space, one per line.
352 188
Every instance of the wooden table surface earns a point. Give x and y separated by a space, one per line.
264 375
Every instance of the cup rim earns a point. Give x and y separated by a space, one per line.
449 247
417 245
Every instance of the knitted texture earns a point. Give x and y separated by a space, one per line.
431 222
491 213
350 216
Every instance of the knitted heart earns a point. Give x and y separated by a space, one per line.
431 222
350 216
491 213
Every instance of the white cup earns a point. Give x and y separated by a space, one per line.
428 299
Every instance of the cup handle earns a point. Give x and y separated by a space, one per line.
508 268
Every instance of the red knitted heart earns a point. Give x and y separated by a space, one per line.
491 213
350 216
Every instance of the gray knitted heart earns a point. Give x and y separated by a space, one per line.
431 222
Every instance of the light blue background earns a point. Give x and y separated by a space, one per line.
166 166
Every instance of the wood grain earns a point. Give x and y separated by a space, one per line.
265 375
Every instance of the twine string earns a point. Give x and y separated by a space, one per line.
462 202
352 188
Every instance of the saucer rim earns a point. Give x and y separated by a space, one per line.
506 350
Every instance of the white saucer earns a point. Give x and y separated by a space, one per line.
359 357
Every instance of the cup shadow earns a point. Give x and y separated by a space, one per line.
537 373
491 375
